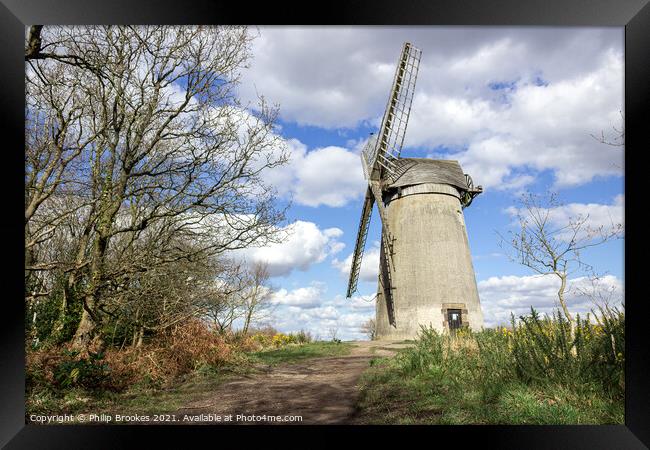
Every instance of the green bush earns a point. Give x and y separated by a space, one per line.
605 350
533 372
544 351
75 370
534 351
303 337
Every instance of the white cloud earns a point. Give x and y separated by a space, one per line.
330 176
369 264
311 73
308 308
511 102
596 216
305 244
304 297
501 296
365 302
599 215
324 313
356 302
549 127
323 320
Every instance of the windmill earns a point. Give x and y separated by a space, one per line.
426 275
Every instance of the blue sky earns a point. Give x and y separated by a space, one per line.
515 106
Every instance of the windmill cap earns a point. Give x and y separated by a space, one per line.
412 171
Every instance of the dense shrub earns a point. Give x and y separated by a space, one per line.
303 337
75 370
169 355
264 339
543 349
165 357
533 372
159 361
61 367
533 351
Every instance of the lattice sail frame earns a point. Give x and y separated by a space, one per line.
381 150
368 149
360 245
390 139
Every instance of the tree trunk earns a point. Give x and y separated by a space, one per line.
87 328
70 296
34 326
85 331
138 344
565 309
59 325
247 322
136 328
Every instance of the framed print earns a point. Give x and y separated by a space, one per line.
375 220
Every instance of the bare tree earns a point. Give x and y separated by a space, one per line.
617 138
239 292
138 133
601 294
221 298
333 332
551 248
369 328
154 300
256 299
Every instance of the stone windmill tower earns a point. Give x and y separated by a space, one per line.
426 275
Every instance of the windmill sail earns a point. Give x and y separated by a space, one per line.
362 233
386 284
387 238
377 159
393 126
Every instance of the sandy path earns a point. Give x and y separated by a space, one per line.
321 390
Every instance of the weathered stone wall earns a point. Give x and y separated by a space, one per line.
433 265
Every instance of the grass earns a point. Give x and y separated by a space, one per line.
524 375
293 354
387 397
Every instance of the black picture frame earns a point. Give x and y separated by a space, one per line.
634 15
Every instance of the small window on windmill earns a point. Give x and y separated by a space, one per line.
454 319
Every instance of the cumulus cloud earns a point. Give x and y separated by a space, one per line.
356 302
549 127
507 102
501 296
330 176
321 321
309 308
305 244
303 297
596 216
369 264
313 73
599 215
362 302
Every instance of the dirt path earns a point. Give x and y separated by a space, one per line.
321 390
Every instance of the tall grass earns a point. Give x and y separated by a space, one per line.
543 351
531 372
